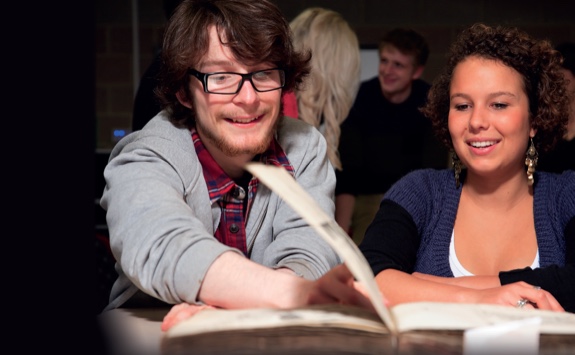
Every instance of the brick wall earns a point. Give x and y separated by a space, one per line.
118 69
117 73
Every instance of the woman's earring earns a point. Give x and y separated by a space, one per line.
456 164
531 162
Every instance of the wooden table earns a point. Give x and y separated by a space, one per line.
137 332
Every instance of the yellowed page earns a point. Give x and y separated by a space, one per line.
217 320
462 316
283 184
404 317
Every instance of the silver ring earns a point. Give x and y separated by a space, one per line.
537 287
522 302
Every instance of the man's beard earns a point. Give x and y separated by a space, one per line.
229 149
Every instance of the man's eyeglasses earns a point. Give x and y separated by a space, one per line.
228 83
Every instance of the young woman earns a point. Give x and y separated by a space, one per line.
326 97
493 230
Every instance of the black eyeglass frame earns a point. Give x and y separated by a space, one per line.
203 78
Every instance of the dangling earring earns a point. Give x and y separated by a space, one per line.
456 164
531 162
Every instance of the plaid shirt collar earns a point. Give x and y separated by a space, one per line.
225 192
219 183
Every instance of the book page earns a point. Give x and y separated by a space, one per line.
283 184
462 316
319 316
407 316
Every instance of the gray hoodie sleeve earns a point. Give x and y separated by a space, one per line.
161 222
159 215
294 243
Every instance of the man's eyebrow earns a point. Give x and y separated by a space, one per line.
216 62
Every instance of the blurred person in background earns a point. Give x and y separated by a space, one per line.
562 157
385 135
327 95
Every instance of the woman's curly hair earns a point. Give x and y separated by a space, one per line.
537 62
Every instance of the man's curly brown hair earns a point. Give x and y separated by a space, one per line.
254 31
537 62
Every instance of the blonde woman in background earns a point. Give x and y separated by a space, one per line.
329 92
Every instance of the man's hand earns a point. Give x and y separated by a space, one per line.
180 312
336 286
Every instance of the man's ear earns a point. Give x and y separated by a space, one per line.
183 98
418 72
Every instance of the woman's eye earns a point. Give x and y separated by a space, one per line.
499 106
461 107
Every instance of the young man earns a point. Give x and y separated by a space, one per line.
385 135
187 223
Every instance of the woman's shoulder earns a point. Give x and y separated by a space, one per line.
564 181
422 183
425 192
556 189
427 177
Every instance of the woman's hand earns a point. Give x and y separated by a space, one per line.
487 289
512 294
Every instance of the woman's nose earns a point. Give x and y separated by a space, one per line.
478 118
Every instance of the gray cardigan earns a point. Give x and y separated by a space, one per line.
162 224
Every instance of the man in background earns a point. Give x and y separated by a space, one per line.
385 136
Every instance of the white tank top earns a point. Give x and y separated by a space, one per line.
459 270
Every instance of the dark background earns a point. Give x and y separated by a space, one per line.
127 37
79 67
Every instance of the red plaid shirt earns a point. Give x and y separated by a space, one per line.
230 196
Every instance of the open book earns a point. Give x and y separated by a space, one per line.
429 316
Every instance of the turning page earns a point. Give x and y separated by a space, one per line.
283 184
406 316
